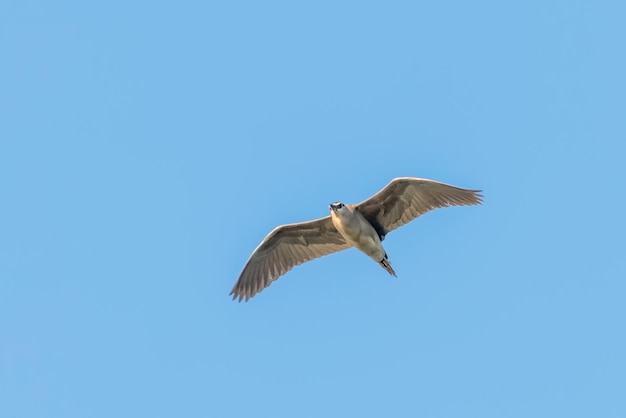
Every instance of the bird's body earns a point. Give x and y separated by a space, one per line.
359 232
363 226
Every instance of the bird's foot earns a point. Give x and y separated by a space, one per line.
384 263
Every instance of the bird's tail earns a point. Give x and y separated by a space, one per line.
384 263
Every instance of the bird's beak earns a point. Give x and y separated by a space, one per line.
331 207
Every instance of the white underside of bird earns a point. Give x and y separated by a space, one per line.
359 233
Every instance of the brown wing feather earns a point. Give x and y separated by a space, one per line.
282 249
406 198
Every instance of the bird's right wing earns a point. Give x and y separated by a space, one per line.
285 247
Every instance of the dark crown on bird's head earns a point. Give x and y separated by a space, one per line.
336 205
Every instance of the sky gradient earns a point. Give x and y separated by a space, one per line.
146 148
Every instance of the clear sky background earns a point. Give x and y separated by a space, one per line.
146 148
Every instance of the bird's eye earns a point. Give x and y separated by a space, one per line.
340 205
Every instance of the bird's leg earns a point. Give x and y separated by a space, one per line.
384 263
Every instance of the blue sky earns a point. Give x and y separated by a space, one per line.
146 148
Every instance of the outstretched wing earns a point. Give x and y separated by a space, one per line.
406 198
285 247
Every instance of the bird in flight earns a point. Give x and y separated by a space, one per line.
363 226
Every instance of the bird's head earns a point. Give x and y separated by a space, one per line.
336 207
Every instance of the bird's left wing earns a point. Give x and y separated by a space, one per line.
282 249
406 198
